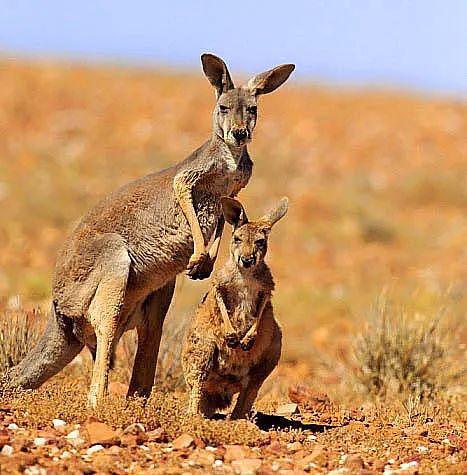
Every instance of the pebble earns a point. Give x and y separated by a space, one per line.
422 449
13 426
94 448
7 450
218 463
40 441
58 423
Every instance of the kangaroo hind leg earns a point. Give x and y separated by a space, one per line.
104 312
154 310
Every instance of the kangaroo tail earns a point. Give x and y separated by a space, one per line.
56 348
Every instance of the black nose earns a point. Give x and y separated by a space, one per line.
248 261
239 134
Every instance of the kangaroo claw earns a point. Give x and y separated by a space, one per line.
200 267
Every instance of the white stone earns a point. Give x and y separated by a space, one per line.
94 448
311 437
218 463
422 449
7 450
408 465
13 426
40 441
58 423
74 434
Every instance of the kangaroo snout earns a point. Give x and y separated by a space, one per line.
240 134
248 261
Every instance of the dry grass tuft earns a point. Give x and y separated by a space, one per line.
19 332
406 354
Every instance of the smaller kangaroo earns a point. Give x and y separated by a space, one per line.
234 342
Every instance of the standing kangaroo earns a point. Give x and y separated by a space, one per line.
234 341
117 269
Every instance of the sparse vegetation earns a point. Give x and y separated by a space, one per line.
405 353
19 331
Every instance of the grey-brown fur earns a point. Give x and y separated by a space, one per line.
234 341
117 269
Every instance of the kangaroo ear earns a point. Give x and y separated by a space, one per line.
268 81
234 212
217 73
277 213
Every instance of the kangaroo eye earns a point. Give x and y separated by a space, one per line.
223 109
237 239
252 109
260 242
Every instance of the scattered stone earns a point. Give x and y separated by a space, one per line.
94 448
58 423
74 437
287 409
237 452
246 466
202 457
114 450
218 463
157 435
100 433
422 449
134 429
183 442
40 441
13 426
7 450
354 462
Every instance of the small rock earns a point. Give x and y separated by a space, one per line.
183 442
218 463
354 462
13 426
7 450
114 450
134 429
202 457
40 441
157 435
74 437
237 452
246 466
409 465
422 449
287 409
311 437
100 433
94 448
339 471
58 423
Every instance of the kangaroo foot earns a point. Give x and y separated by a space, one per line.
200 267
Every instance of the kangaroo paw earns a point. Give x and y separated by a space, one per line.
247 343
231 340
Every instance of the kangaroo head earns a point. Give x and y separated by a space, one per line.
235 114
249 242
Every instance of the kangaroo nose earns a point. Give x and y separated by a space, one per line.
239 134
248 261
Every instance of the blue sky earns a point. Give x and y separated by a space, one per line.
410 44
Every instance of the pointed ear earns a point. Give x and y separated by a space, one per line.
217 73
233 212
268 81
277 213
